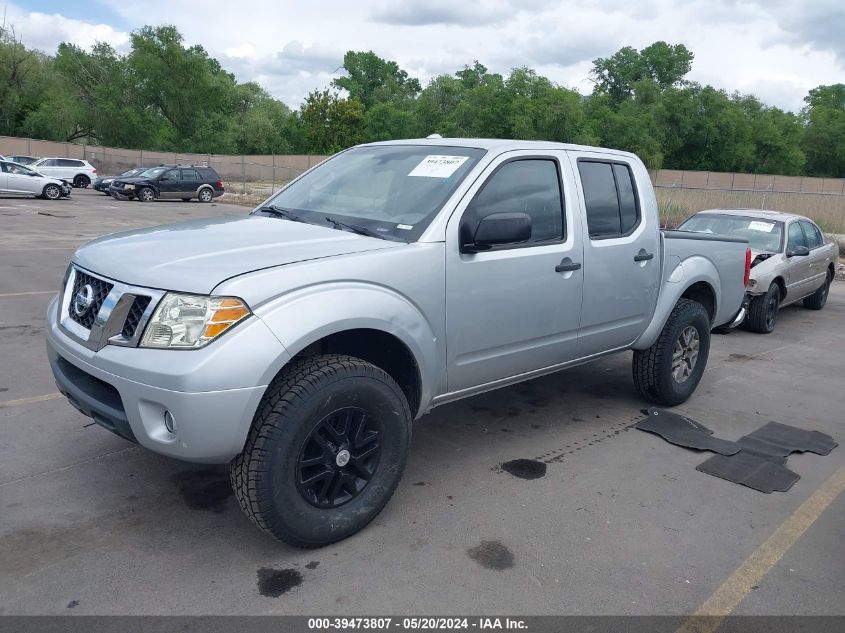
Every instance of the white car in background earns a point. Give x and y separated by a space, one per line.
21 180
80 173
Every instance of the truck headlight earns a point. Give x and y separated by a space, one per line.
191 321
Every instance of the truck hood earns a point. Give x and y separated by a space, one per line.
196 256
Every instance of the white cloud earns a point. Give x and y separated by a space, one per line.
777 49
47 31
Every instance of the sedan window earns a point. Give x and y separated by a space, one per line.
795 237
812 234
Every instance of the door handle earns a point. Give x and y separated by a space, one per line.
567 265
643 256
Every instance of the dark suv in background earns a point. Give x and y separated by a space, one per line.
170 182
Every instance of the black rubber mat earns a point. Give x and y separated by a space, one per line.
683 431
750 470
760 463
776 441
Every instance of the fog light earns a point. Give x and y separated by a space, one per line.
169 422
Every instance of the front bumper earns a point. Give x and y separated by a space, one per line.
121 194
211 393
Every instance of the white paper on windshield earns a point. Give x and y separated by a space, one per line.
761 226
437 166
405 227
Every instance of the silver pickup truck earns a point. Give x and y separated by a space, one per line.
299 342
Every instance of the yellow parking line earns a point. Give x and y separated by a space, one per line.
739 584
27 294
30 400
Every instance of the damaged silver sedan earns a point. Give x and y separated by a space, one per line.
791 260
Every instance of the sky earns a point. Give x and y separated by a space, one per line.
774 49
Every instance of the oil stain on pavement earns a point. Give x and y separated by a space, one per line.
204 489
492 555
525 468
272 583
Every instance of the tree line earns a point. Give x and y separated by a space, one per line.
162 95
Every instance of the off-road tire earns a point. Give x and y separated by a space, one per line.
652 367
51 192
142 195
763 311
817 300
264 475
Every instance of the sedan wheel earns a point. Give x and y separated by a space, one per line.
52 192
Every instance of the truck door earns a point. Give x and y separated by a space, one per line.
621 251
516 307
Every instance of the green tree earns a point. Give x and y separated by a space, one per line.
330 123
824 138
371 79
665 64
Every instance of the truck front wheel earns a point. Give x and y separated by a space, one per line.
668 372
326 450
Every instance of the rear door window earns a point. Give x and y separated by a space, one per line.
190 175
609 197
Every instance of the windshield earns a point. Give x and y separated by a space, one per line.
132 172
762 235
391 190
152 173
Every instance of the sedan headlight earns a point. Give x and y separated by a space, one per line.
191 321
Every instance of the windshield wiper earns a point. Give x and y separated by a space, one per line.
360 230
279 212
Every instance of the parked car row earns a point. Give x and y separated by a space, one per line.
791 261
76 172
17 179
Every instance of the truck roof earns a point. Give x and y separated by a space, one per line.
502 145
763 214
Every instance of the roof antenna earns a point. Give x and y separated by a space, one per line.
434 136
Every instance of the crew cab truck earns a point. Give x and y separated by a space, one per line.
299 342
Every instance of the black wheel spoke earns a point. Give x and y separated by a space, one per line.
339 457
320 476
368 452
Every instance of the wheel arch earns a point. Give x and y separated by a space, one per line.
370 322
702 288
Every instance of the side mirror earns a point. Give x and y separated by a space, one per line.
798 251
499 228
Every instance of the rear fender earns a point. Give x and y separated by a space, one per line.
675 282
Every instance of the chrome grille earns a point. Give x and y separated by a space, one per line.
116 315
134 317
100 289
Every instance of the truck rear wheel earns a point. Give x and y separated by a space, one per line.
668 372
327 449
